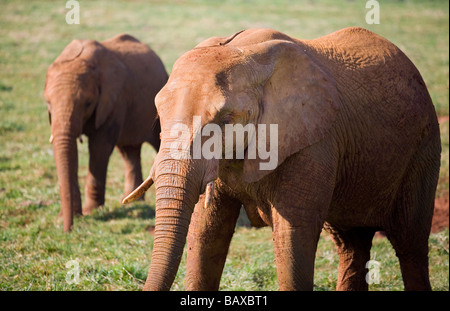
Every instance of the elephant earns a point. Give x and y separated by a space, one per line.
104 90
358 151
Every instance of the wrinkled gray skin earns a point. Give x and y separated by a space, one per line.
106 91
359 151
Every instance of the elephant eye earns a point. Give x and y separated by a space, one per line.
88 104
226 119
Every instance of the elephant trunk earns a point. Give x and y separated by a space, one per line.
177 184
66 158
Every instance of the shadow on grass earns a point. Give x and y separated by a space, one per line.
146 211
138 210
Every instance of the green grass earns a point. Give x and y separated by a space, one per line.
113 246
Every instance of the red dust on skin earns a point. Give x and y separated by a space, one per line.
441 211
440 216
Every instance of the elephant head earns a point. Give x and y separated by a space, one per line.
81 89
258 77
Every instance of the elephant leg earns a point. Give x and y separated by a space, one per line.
303 193
353 247
409 227
133 171
100 150
413 258
295 249
209 237
411 245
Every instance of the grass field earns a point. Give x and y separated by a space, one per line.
113 246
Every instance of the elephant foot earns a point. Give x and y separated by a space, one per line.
76 213
90 206
89 210
60 217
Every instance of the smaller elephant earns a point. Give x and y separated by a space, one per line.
104 90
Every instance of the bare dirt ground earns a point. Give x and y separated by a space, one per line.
440 217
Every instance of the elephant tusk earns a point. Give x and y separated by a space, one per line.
51 139
139 190
209 194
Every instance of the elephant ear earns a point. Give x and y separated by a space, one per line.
70 52
213 41
113 74
299 96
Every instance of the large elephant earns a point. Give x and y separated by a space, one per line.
106 91
358 151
